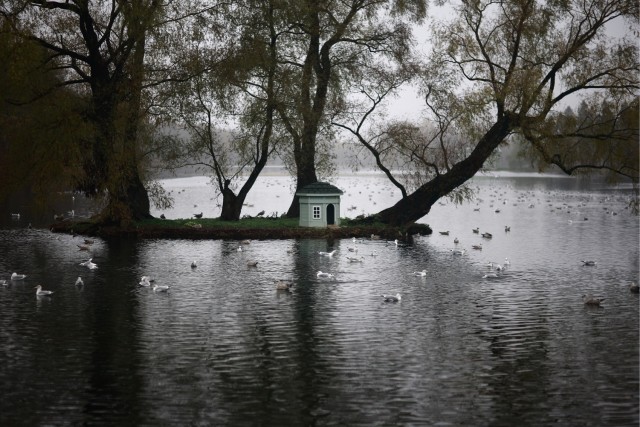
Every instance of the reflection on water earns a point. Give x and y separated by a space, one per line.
224 347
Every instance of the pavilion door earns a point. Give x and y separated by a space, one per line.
331 214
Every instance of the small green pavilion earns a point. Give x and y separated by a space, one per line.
319 205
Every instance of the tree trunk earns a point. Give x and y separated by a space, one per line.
305 167
418 204
231 203
231 206
306 174
127 198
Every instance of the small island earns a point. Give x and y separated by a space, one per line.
247 228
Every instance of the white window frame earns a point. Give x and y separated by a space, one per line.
316 212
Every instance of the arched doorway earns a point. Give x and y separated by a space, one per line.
331 214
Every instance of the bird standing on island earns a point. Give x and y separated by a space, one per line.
198 216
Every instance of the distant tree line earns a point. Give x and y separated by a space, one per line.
89 89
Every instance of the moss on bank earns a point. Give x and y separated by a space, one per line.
251 228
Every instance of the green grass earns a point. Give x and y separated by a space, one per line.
258 227
251 223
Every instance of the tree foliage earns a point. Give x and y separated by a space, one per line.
39 127
501 68
236 86
326 48
99 49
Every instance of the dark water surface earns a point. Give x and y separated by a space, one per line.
223 347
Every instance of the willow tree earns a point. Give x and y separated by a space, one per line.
100 47
327 47
238 88
503 69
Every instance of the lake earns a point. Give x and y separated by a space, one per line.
224 347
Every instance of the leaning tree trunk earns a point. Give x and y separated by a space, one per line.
418 204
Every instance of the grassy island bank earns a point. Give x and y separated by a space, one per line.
250 228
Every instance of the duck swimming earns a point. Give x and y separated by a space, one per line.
283 285
391 298
591 300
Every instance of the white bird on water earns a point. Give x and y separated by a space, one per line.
422 273
490 276
458 251
79 281
41 292
329 254
160 288
89 264
320 274
391 298
144 281
16 276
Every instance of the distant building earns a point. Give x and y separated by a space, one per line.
319 205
